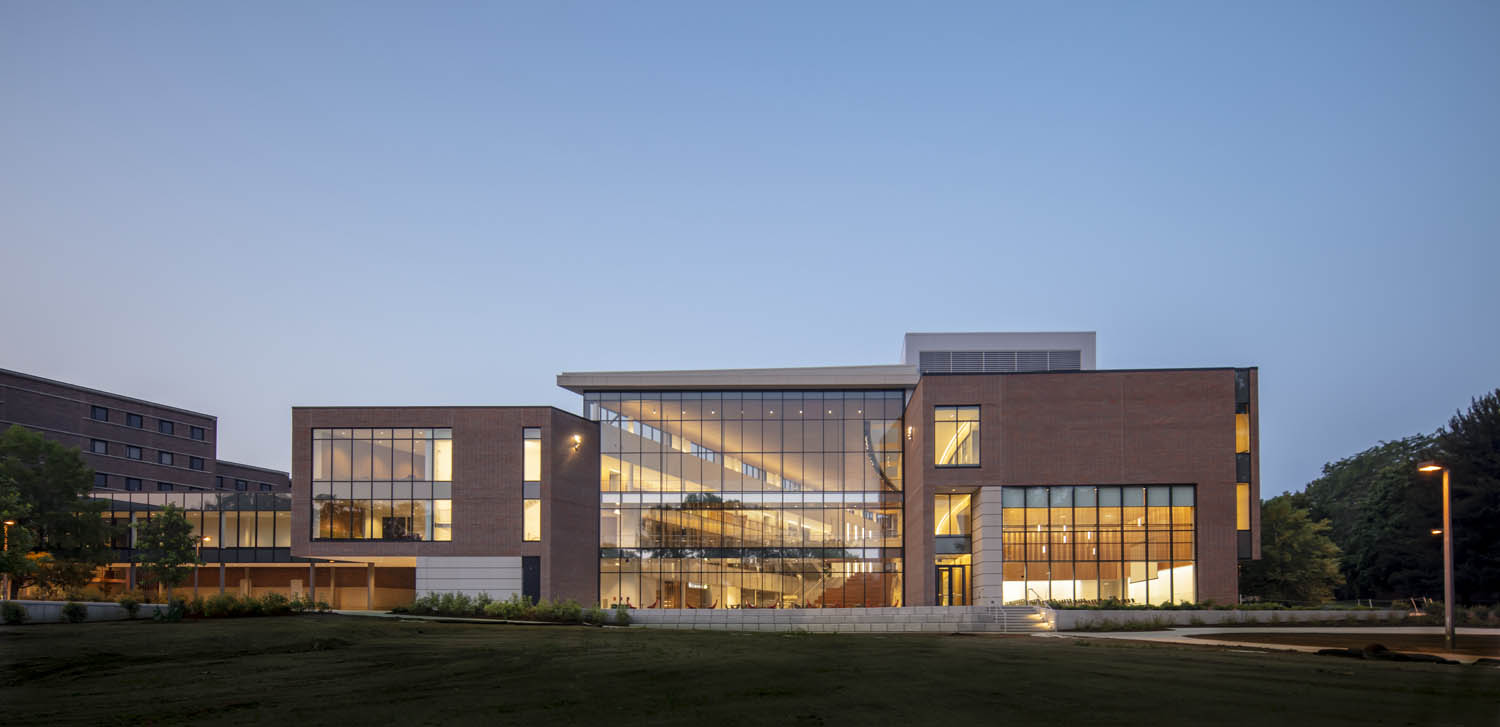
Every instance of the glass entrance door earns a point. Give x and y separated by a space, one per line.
953 581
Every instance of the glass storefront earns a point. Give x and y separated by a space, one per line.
382 484
749 499
1073 543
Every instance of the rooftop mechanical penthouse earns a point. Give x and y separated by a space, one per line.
985 468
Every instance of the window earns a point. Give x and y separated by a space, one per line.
531 475
1242 506
382 484
99 413
531 443
1242 429
164 458
531 527
101 479
1085 543
98 446
219 482
135 420
132 484
196 433
808 480
164 426
951 514
132 452
955 436
241 485
265 487
163 487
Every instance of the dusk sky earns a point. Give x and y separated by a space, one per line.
238 208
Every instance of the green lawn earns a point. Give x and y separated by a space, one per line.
332 670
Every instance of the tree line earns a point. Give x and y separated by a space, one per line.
1363 530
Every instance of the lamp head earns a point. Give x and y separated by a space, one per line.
9 523
1429 466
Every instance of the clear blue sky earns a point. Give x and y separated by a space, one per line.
236 208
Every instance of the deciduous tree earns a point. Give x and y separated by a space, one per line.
1298 564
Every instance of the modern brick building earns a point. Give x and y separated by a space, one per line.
983 469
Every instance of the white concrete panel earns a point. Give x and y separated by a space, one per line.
499 576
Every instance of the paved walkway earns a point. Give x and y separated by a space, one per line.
445 619
1186 635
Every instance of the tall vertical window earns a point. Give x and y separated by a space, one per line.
531 476
955 431
1242 506
382 484
100 413
101 479
1242 431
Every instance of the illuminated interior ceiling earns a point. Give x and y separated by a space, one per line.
639 410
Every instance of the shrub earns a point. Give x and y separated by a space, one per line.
593 616
12 612
130 603
175 610
75 612
221 606
275 604
622 615
323 607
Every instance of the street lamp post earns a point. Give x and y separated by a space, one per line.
1448 598
5 595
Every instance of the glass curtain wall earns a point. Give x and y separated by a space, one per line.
1087 543
382 484
749 499
259 520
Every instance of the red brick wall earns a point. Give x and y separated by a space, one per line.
487 472
1087 428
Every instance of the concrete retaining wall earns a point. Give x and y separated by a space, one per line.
1068 620
44 612
938 619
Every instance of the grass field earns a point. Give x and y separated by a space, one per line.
350 671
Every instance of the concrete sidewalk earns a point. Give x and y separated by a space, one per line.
448 619
1186 636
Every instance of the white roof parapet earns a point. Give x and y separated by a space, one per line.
813 377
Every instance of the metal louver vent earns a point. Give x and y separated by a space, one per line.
1064 360
992 362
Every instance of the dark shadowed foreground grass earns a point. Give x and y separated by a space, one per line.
332 670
